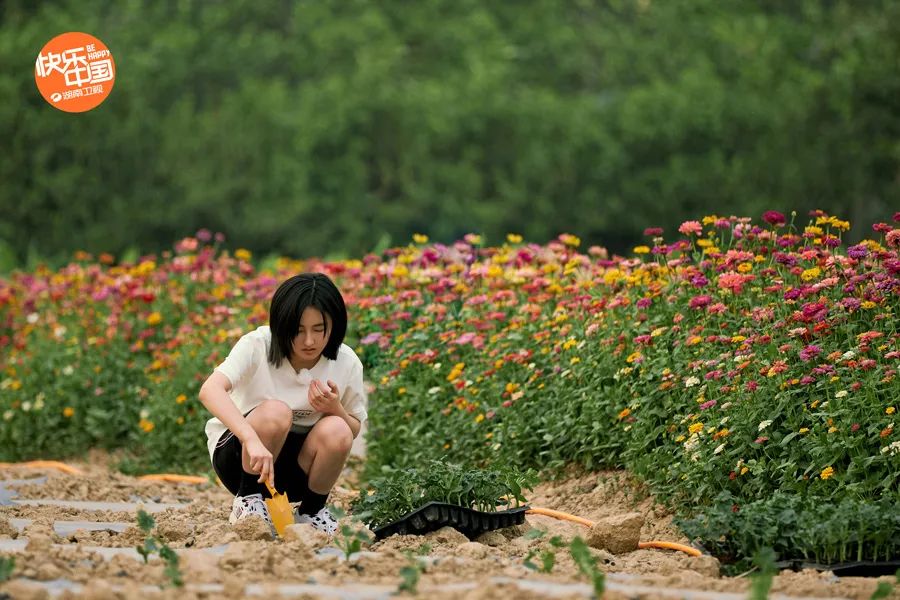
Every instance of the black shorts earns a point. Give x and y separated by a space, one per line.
289 477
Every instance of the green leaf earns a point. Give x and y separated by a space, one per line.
7 565
145 521
548 559
788 438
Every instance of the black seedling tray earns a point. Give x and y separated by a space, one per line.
865 568
434 515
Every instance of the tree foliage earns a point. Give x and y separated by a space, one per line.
324 128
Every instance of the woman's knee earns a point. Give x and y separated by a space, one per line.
334 434
273 416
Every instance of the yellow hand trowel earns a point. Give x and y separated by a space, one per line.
280 510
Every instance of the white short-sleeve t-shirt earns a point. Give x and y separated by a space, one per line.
254 379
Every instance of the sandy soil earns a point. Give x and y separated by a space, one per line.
447 557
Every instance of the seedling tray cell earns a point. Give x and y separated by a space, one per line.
434 515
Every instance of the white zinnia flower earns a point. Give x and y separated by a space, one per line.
764 424
841 394
719 448
691 381
893 448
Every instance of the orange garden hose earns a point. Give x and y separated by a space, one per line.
587 523
45 464
174 478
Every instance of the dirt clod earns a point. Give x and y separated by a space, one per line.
23 590
618 534
492 538
446 536
253 528
307 535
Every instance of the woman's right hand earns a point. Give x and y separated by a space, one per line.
261 461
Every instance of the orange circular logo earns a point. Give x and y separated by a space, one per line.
75 72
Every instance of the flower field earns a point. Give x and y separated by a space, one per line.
745 370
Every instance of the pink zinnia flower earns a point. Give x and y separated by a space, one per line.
734 281
689 227
653 231
716 309
893 238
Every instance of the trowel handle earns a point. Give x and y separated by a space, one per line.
271 489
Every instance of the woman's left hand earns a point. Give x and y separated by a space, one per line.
324 399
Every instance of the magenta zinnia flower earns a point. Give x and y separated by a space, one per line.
851 304
814 311
773 217
700 301
810 352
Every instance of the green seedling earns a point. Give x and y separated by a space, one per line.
171 571
547 557
351 539
410 573
400 492
761 582
153 544
146 523
587 564
883 590
6 567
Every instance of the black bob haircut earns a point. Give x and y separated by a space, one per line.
288 303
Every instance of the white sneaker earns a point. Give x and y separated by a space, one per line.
322 520
249 506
